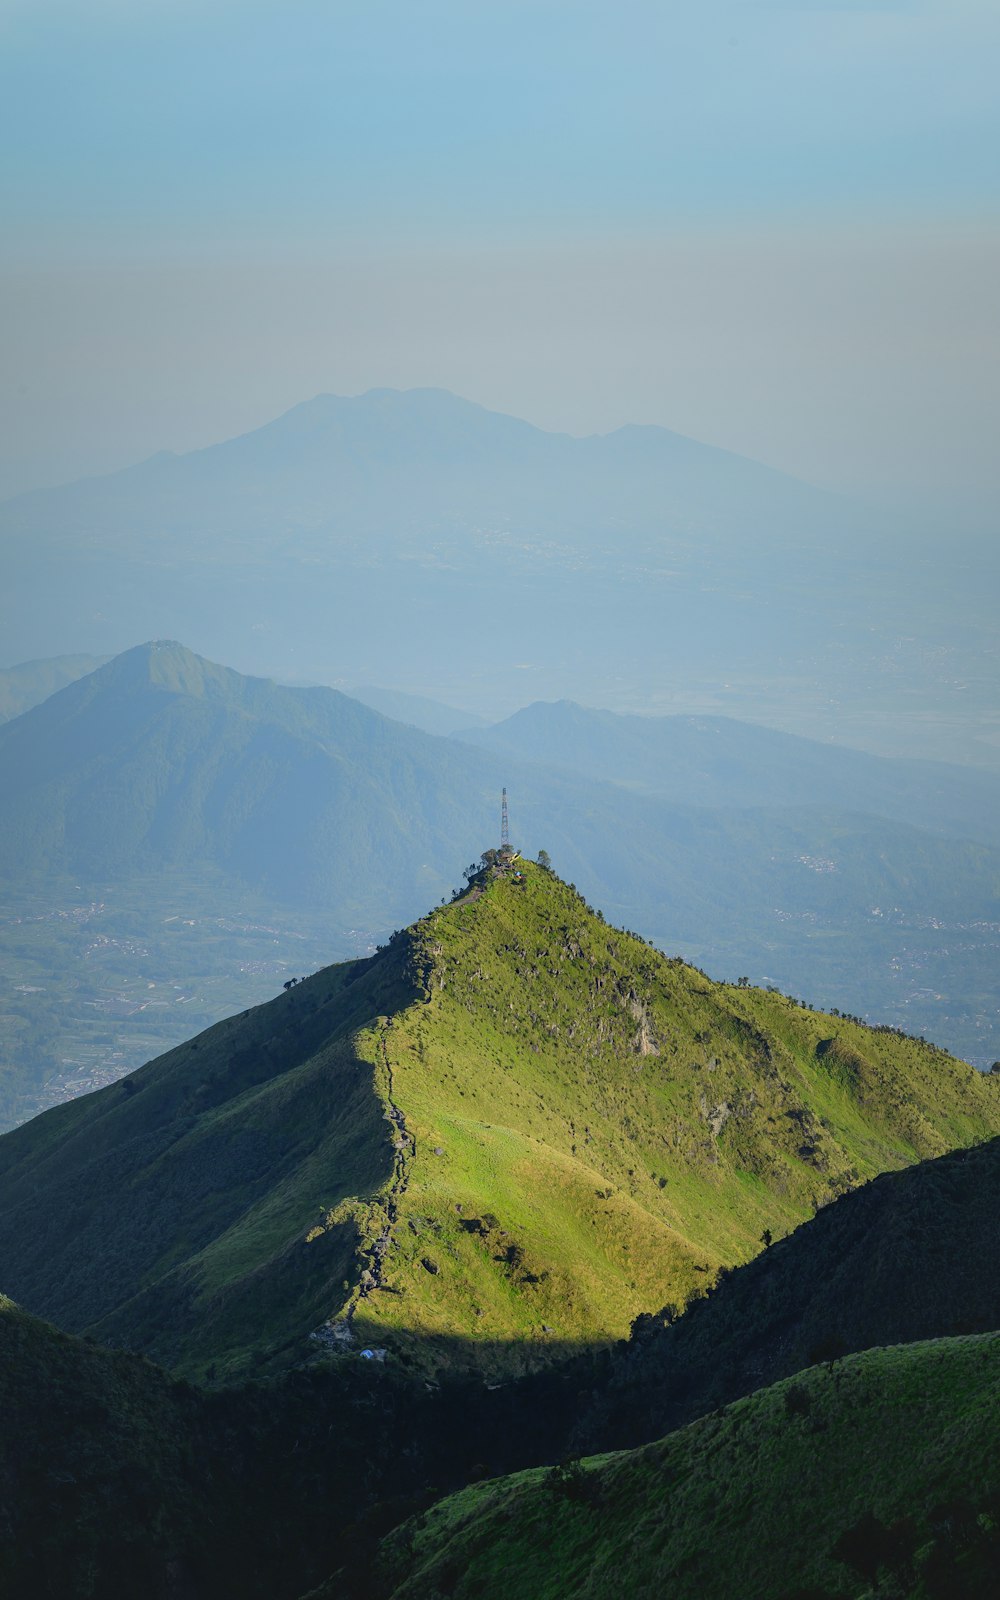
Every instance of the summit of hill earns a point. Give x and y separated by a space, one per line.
499 1140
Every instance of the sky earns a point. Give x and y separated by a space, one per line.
774 227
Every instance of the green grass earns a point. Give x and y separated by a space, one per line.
630 1126
750 1501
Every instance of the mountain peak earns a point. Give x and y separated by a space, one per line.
169 665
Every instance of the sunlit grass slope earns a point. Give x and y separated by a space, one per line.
889 1459
597 1128
913 1255
510 1132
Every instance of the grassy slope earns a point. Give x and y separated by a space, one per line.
597 1126
912 1255
748 1502
597 1129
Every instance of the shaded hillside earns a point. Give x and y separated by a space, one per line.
884 1468
102 1478
117 1480
911 1255
516 1127
185 1197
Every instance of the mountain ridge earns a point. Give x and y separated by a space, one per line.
716 760
326 410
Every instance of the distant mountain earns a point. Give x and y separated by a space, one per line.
32 682
717 761
430 715
161 758
342 464
500 1139
417 539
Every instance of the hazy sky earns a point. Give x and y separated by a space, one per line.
772 226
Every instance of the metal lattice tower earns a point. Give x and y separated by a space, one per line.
504 824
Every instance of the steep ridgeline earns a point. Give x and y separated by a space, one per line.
780 1497
500 1139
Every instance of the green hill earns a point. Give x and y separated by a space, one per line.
503 1137
116 1479
880 1474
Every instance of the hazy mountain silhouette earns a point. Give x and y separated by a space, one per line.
417 539
718 761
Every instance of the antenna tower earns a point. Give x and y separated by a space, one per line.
504 825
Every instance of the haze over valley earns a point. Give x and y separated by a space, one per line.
367 539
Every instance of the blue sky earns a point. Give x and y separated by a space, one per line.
157 153
324 117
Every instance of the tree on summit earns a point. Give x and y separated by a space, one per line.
545 860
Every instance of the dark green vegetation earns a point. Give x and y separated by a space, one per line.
877 1473
372 536
187 1192
99 1466
117 1480
515 1128
175 835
